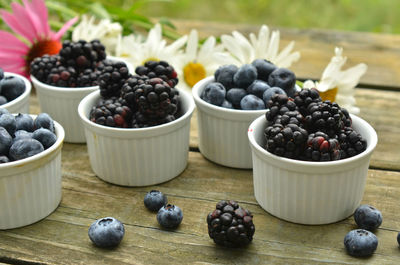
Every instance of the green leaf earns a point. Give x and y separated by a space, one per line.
55 6
299 83
166 22
99 11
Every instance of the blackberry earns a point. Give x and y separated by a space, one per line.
282 110
82 54
41 67
304 98
322 148
160 69
111 112
62 77
351 143
230 225
285 140
128 89
88 78
141 121
112 78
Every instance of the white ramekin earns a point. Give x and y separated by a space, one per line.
30 189
309 192
222 131
138 157
21 103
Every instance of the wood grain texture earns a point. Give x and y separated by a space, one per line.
62 237
381 52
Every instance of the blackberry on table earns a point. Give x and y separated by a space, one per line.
160 69
112 78
351 143
230 225
282 109
41 67
82 54
322 148
62 77
111 112
304 98
128 89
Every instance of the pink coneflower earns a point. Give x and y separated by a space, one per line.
34 39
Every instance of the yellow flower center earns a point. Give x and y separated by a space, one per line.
329 94
193 73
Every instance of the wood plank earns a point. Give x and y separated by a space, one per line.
62 237
381 52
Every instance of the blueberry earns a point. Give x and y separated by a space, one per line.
270 92
154 200
367 217
360 243
5 141
3 100
4 159
398 238
12 87
169 216
43 120
235 95
251 102
264 68
8 122
24 122
3 111
45 137
246 75
224 75
226 104
24 148
106 232
283 78
21 134
257 88
214 93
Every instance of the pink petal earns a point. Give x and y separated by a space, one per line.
12 21
11 43
64 28
35 19
24 19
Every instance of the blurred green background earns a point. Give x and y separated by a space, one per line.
354 15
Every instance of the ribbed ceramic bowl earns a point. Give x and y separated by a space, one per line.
138 157
309 192
222 131
21 103
30 189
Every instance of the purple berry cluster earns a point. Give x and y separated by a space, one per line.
11 87
250 86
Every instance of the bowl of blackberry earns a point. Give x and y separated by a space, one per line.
14 92
229 101
137 133
30 167
63 80
310 158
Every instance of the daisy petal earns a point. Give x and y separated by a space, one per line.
308 84
351 76
273 46
233 47
289 60
192 44
285 52
207 47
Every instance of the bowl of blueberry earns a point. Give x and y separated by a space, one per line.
310 158
30 168
14 92
137 134
229 101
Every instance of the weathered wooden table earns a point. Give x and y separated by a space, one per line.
62 236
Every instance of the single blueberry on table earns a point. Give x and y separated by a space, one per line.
214 93
24 148
246 75
360 243
106 232
45 137
3 100
12 87
224 75
4 159
5 141
368 217
257 88
154 200
226 104
235 95
264 68
8 122
251 102
43 120
270 92
283 78
169 216
24 122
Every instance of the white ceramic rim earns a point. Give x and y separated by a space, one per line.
32 159
28 88
128 131
287 162
61 89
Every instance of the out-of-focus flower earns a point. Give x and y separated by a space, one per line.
262 47
337 85
104 30
30 23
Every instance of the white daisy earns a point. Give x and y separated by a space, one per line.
337 85
104 30
263 47
138 51
197 62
